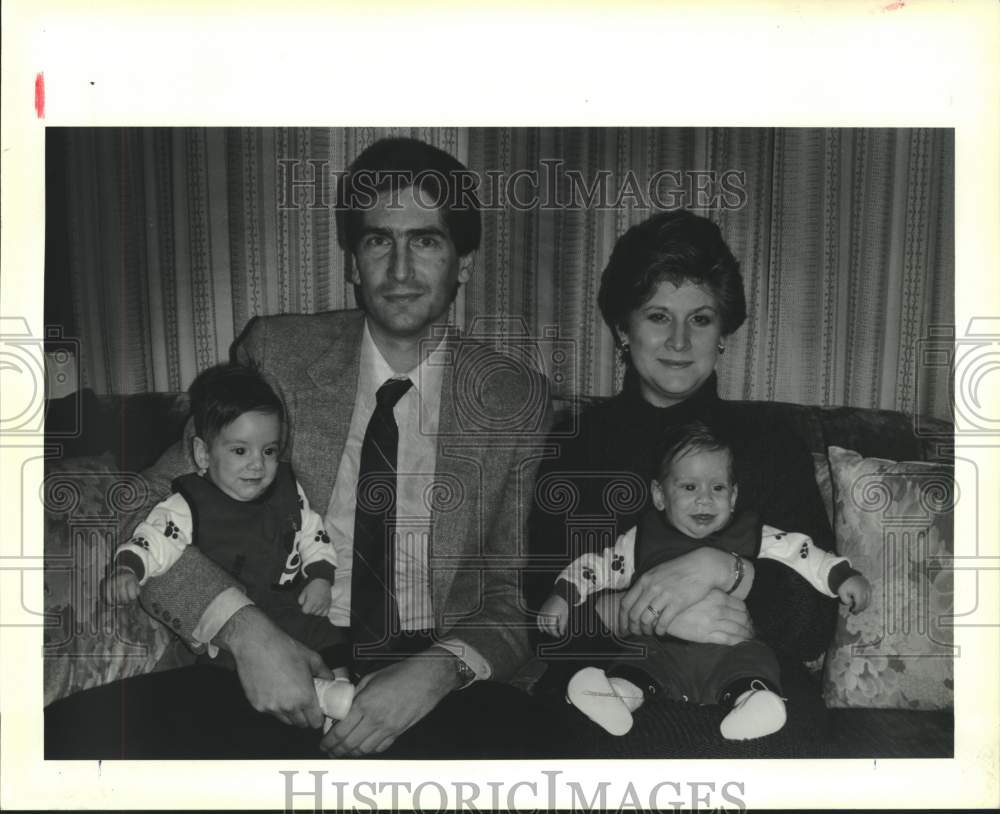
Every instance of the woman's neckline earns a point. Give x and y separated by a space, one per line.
704 396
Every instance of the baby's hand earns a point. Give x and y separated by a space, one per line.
553 616
121 587
315 597
855 592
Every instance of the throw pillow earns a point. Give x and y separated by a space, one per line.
88 643
894 523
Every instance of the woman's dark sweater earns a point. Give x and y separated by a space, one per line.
597 487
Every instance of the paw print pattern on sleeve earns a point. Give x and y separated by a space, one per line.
142 542
589 575
618 563
302 503
172 530
804 550
322 537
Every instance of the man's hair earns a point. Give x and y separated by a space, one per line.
685 439
394 164
676 247
221 394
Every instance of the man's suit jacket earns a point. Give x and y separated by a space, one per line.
493 425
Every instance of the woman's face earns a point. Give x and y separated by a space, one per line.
673 341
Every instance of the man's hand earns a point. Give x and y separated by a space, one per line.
315 597
390 701
276 671
553 616
665 590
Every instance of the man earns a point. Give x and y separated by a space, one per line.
469 426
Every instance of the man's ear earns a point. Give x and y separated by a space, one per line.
465 268
659 499
353 275
200 449
733 495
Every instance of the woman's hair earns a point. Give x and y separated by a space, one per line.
394 164
695 436
678 247
221 394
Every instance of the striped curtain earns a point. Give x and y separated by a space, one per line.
177 237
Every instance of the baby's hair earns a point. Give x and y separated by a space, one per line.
695 436
221 394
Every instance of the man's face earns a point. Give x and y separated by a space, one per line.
406 266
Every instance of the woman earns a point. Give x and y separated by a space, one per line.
672 294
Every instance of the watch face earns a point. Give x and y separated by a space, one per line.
465 673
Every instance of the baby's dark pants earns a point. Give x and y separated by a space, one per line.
700 673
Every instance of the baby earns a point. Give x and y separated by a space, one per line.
245 510
694 498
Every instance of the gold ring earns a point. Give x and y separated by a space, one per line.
653 610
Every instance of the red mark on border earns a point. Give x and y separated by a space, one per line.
40 95
894 6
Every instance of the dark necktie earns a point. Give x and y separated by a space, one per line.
374 613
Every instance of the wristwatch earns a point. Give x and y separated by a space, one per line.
464 673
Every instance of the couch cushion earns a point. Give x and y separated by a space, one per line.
134 429
891 733
885 434
894 522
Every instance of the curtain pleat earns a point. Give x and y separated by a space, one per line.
845 238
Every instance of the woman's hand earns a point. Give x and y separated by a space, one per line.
657 596
717 619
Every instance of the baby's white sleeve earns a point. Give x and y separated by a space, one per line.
159 540
610 570
313 543
799 553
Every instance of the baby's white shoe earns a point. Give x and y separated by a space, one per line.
607 702
335 698
756 713
630 694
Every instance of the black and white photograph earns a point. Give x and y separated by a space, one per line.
587 444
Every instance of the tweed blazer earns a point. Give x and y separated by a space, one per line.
494 422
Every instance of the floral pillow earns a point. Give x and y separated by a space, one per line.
88 643
894 523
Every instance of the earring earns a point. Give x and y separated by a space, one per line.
721 348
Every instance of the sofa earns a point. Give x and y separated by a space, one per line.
886 478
